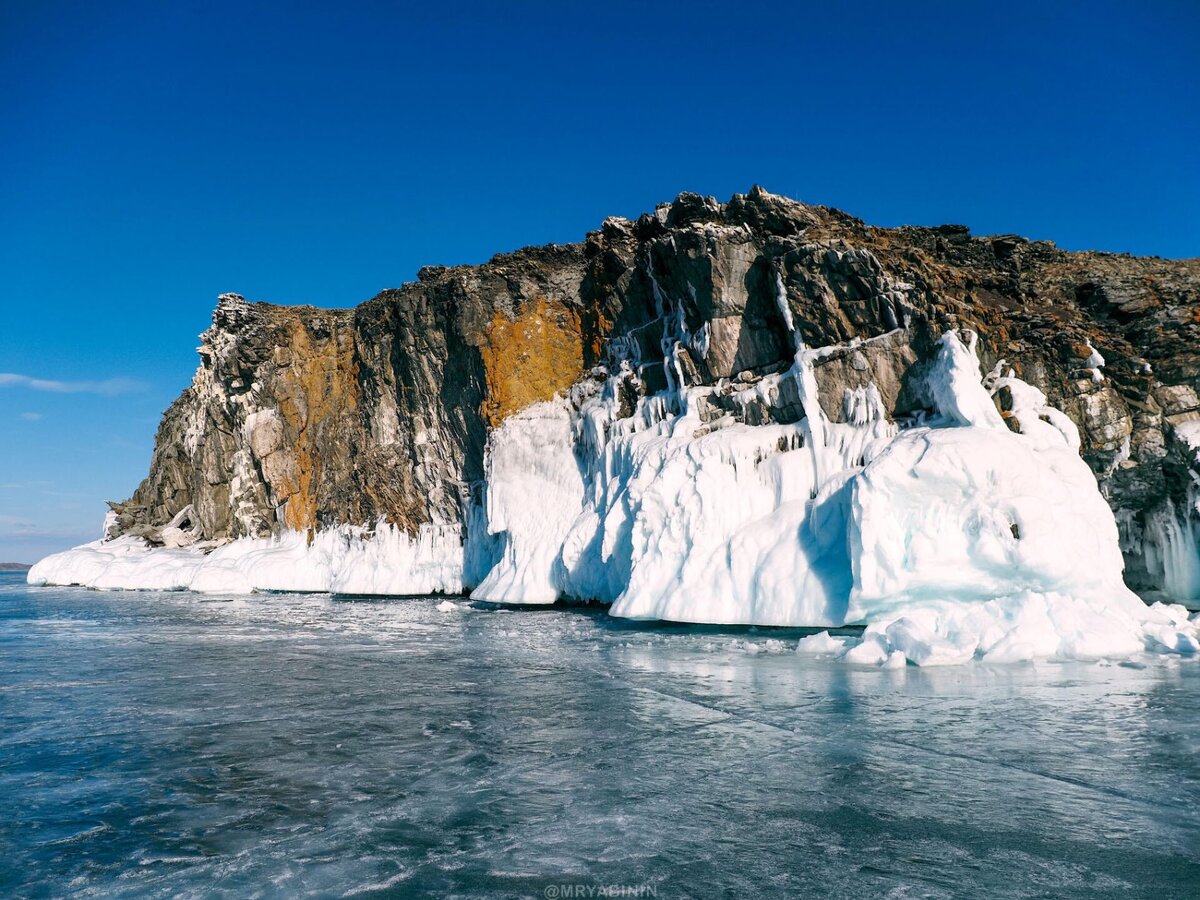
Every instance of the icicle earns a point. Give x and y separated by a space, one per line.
1171 548
785 311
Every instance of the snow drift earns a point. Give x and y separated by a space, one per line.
355 561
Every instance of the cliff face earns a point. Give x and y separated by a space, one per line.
300 419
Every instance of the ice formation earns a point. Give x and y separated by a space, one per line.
952 539
354 561
1170 543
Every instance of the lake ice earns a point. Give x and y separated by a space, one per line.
178 744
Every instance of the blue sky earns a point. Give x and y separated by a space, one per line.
154 155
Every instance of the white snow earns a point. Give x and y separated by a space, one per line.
1189 433
781 301
1094 363
956 386
534 488
820 643
346 560
1040 422
975 514
1019 627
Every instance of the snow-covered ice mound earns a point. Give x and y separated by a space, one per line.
952 539
384 561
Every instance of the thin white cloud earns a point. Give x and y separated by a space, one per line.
109 387
30 531
36 487
31 417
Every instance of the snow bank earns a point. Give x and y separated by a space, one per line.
1024 626
358 561
975 514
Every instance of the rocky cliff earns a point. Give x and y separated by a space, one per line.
301 419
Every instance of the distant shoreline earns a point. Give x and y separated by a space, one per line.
14 567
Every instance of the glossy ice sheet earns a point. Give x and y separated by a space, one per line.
172 744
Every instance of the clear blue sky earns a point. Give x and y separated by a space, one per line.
153 155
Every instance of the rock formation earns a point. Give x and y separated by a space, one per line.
302 419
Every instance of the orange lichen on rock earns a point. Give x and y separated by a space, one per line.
315 392
530 358
597 328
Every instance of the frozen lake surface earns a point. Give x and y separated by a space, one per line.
180 745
